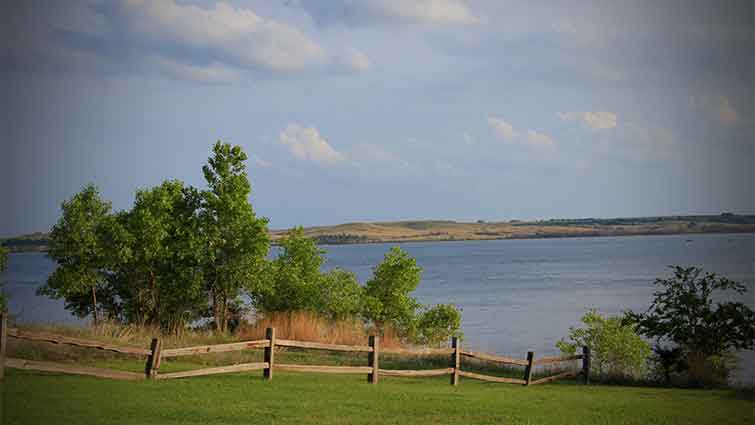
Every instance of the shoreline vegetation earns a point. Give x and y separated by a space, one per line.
448 230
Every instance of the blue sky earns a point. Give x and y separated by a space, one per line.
357 110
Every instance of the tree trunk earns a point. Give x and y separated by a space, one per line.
94 305
219 301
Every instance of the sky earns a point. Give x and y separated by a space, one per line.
357 110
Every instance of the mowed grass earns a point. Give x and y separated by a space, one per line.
297 398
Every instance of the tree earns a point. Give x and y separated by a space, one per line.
159 275
293 278
684 314
616 348
237 240
387 293
294 281
341 296
437 324
76 244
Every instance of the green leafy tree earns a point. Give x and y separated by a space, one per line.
341 296
387 293
684 314
78 246
438 324
292 279
161 248
617 349
237 240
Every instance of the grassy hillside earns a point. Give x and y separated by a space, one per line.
405 231
292 398
446 230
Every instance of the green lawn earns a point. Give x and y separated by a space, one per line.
293 398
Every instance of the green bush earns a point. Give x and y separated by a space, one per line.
617 350
387 294
684 315
437 324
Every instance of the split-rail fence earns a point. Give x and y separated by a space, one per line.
155 353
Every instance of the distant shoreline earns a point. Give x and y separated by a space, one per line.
448 231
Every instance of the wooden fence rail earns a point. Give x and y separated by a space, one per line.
156 353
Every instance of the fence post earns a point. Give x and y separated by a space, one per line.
3 342
373 359
586 359
154 359
455 360
267 373
528 370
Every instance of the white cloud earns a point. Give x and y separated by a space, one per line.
502 128
467 138
307 144
437 12
539 140
596 120
213 73
369 12
726 113
235 35
357 61
532 138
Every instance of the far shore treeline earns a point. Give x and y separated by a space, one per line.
183 257
448 230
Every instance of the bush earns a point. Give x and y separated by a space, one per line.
437 324
387 294
617 350
684 316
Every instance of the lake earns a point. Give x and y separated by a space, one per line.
515 295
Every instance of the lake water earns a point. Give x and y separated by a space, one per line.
515 295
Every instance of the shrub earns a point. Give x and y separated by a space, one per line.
684 315
437 324
387 294
617 350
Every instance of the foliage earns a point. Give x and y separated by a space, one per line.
617 349
668 361
341 296
293 282
78 246
683 313
182 254
290 282
387 293
237 240
437 324
162 279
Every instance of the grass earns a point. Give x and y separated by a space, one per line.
40 398
413 231
293 398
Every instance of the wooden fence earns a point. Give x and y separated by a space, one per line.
156 353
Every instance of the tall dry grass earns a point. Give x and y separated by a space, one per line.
299 325
308 326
